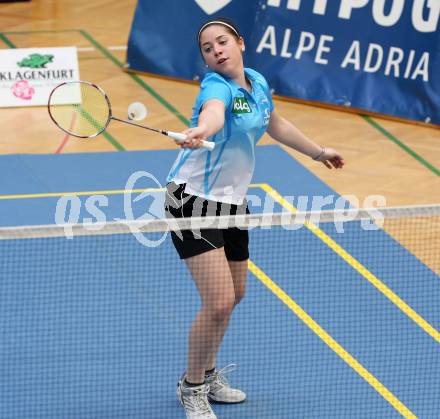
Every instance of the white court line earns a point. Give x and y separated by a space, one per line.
111 48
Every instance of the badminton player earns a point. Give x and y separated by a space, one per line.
234 109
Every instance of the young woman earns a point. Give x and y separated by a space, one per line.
234 109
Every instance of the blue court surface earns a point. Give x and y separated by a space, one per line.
333 325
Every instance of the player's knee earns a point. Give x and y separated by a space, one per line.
222 309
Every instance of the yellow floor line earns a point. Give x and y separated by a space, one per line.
356 265
364 373
85 193
334 345
81 193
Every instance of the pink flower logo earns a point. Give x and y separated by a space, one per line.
23 90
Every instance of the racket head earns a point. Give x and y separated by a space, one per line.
80 108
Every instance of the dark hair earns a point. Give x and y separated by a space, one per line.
230 26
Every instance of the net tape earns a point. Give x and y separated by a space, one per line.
265 220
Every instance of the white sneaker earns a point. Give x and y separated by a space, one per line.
219 389
195 401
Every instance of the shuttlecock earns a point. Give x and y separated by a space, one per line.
137 111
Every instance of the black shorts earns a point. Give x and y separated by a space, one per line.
188 243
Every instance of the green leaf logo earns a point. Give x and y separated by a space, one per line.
35 61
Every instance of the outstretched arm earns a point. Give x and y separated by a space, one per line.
283 131
211 120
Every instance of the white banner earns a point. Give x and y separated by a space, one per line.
28 75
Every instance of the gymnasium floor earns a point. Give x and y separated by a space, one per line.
310 342
108 330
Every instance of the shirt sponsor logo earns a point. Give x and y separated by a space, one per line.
241 105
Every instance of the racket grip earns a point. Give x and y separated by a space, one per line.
182 137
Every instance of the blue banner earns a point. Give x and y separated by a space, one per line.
379 56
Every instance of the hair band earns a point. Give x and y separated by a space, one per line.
217 22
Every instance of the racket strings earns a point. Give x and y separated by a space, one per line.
80 109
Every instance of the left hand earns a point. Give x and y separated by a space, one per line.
331 158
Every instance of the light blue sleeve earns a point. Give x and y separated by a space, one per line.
214 86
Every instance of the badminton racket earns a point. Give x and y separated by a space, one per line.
83 109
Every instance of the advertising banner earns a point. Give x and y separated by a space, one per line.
381 56
28 75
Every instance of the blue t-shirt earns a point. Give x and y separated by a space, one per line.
224 173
